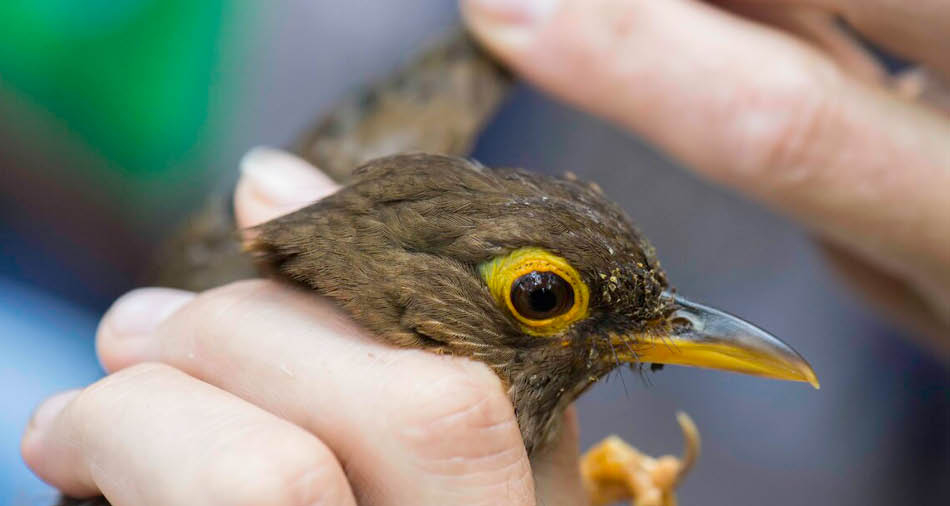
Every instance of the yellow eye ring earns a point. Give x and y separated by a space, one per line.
500 274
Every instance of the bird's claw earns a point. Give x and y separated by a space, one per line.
615 471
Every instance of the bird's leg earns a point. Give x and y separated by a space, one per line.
615 471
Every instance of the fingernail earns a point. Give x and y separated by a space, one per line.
508 21
139 312
51 407
282 179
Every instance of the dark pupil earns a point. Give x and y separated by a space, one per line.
541 295
543 300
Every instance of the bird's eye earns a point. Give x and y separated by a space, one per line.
540 289
540 295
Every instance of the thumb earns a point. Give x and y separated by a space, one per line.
557 478
274 183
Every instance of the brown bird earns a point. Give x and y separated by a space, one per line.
542 279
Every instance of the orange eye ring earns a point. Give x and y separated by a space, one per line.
501 273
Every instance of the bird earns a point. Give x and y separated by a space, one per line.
543 279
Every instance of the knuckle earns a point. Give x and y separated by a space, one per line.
225 300
285 475
201 324
92 412
798 144
462 422
787 129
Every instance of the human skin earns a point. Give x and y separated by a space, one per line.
770 98
259 393
774 99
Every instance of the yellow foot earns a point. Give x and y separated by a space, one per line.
615 471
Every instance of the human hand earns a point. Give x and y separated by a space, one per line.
258 393
778 101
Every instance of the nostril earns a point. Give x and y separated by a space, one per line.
681 324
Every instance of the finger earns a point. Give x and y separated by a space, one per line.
925 86
915 30
153 435
274 183
818 27
556 469
894 298
411 427
143 310
750 107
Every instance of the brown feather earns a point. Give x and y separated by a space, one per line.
398 249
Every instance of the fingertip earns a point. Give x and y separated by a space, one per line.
126 332
556 469
273 183
35 449
572 426
48 410
249 209
566 448
507 25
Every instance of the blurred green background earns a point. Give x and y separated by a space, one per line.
117 117
130 76
114 112
108 134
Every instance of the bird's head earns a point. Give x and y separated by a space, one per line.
542 279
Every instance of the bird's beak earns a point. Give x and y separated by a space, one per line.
699 336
